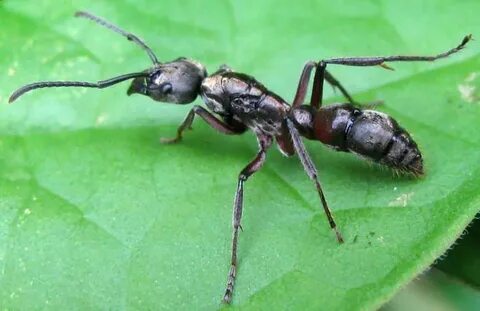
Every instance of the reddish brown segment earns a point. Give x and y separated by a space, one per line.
330 125
322 128
371 134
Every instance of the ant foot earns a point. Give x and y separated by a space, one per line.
227 298
171 140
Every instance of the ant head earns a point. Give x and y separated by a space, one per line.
174 82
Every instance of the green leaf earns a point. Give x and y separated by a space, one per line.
96 214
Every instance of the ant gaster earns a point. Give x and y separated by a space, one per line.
239 102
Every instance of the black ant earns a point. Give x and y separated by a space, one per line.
239 102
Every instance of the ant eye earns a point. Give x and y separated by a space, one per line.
155 77
357 112
237 101
166 88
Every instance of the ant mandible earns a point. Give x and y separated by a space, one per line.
239 102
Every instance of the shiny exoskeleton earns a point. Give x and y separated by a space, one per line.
237 102
368 133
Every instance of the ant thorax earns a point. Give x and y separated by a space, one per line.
246 100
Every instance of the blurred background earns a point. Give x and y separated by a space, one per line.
452 283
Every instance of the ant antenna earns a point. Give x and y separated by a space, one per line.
99 85
129 36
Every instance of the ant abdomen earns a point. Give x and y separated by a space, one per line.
368 133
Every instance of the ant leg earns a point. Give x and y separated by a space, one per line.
321 74
303 84
264 143
217 124
317 91
312 173
336 84
380 60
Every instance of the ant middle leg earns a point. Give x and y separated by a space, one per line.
222 127
264 143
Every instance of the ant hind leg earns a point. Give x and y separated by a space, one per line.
381 60
321 74
311 171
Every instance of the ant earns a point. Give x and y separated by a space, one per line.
238 102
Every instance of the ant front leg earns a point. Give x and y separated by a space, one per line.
264 143
220 126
